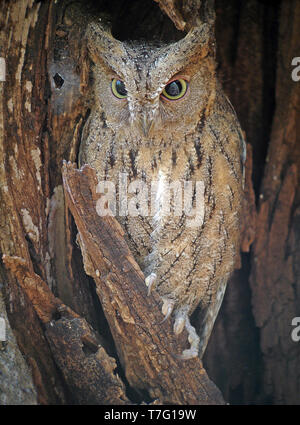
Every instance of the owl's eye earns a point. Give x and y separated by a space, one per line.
175 90
118 88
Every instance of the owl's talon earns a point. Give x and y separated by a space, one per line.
150 281
191 353
179 325
167 309
193 339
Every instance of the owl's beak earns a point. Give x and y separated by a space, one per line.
146 124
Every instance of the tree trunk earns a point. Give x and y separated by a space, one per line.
255 322
86 337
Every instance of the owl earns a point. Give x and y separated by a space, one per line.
164 136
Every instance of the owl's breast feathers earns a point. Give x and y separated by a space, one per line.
189 260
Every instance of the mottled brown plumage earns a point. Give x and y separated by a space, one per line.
195 138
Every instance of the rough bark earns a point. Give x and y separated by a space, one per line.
275 279
255 54
24 179
16 386
76 348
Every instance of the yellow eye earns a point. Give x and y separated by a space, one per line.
175 89
118 88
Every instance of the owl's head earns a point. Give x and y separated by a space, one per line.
147 90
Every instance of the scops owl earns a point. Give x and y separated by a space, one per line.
161 124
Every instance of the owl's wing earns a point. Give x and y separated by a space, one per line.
243 147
